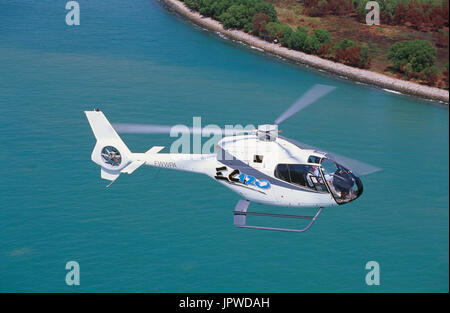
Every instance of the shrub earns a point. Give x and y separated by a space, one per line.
236 16
348 52
259 23
297 40
234 13
273 30
193 4
277 30
344 44
314 43
365 57
322 35
286 32
205 7
302 29
412 55
311 45
429 75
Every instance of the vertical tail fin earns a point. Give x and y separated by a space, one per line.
110 152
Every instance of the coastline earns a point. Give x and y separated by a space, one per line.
360 75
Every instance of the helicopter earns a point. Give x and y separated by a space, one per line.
259 164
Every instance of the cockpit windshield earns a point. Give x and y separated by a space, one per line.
343 184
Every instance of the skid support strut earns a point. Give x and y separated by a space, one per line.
240 218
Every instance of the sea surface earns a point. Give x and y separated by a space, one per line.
169 231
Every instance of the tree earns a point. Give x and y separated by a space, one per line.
429 75
322 35
297 40
286 32
274 30
348 52
236 16
193 4
344 44
412 55
259 23
311 44
205 7
266 8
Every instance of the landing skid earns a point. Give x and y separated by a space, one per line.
240 218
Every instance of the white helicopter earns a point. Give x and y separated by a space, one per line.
259 165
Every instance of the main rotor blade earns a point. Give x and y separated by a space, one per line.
312 95
357 167
164 129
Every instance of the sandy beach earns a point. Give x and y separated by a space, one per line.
355 74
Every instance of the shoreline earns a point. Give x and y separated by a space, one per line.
359 75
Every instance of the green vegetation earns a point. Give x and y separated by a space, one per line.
350 53
234 13
260 18
277 30
412 58
317 41
416 55
415 58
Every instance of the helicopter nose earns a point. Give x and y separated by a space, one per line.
347 188
359 184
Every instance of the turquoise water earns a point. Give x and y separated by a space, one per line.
169 231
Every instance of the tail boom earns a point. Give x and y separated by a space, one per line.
114 157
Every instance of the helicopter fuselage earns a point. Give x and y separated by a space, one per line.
253 169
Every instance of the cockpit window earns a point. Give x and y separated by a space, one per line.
314 159
328 166
344 185
303 175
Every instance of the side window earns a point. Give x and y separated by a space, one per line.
303 175
257 158
314 159
282 172
298 174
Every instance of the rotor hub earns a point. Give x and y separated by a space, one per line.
267 132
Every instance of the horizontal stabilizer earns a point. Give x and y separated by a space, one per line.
136 164
132 167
